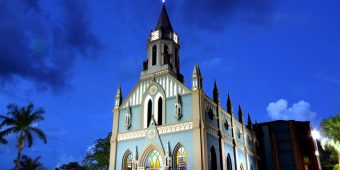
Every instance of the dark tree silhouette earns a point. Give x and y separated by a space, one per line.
27 163
20 121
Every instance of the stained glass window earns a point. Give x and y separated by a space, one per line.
181 158
128 161
154 161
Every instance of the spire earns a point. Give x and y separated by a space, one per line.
196 72
119 98
216 93
178 99
229 105
164 23
250 123
196 78
240 114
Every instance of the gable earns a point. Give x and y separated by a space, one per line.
170 85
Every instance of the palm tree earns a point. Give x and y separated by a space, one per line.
27 163
2 135
21 121
2 139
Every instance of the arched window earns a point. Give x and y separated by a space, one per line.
229 164
166 50
149 112
154 55
241 167
154 161
181 158
160 111
213 161
127 161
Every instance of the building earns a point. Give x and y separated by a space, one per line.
162 124
286 145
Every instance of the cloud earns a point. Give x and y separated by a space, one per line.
40 46
214 15
298 111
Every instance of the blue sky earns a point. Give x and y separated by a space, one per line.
278 59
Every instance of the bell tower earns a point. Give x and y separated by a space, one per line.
163 48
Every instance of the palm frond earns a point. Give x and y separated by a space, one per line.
39 133
28 135
2 139
9 130
7 121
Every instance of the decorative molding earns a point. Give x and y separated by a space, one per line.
174 128
161 130
212 130
227 139
132 135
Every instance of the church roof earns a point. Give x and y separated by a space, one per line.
163 21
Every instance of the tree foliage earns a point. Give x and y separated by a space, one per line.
2 138
71 166
331 133
27 163
331 127
97 158
21 121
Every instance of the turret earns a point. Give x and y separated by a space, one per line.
216 93
240 114
119 98
197 79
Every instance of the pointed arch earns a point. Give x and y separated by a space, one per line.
166 49
149 113
152 158
213 160
160 111
180 157
154 55
229 163
127 160
146 118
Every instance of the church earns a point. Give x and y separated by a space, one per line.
163 124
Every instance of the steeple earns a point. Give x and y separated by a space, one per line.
216 93
164 23
240 114
119 98
230 106
250 123
163 48
197 78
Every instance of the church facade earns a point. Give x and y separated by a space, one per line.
162 124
